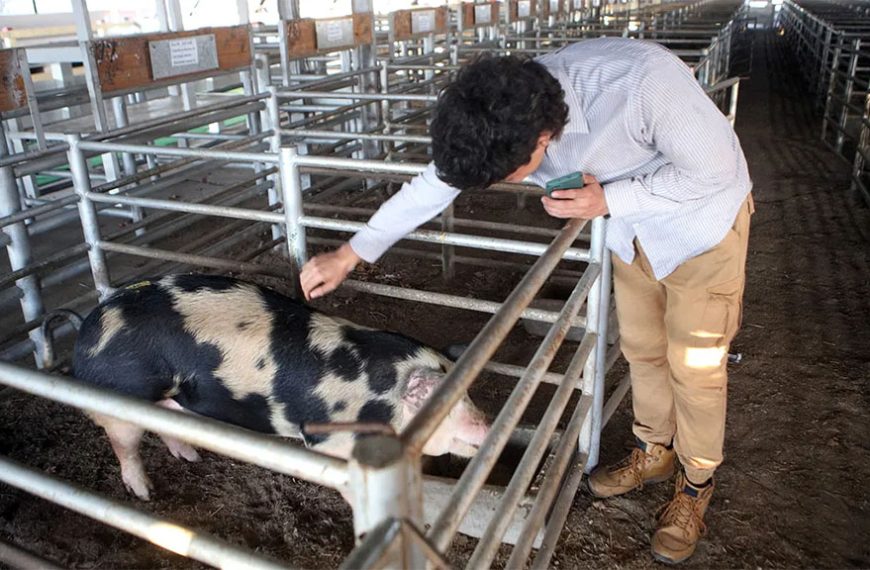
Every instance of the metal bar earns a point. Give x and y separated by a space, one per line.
486 343
264 450
162 532
596 319
373 551
355 96
464 240
474 475
291 186
183 152
21 559
563 457
453 301
88 215
190 208
313 133
615 399
19 251
191 259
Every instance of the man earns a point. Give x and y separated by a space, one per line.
670 172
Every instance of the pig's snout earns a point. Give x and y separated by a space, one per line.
471 428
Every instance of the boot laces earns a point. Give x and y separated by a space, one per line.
683 511
633 464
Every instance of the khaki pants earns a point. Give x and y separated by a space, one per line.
675 335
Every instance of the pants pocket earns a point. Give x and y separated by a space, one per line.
721 317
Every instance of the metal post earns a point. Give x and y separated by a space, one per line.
596 322
19 251
287 10
291 188
385 484
88 214
274 118
851 74
447 251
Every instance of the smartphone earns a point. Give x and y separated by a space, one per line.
567 182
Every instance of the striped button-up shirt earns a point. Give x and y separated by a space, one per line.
673 172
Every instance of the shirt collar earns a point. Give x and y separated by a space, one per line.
577 122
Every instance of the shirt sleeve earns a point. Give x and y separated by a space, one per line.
416 203
671 113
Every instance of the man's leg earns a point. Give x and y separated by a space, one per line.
640 307
702 316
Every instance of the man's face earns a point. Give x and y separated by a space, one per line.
534 162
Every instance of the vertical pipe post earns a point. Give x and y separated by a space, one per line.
291 188
274 121
448 267
862 149
597 307
119 108
386 484
19 251
88 214
851 75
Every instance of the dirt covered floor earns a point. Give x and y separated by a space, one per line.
793 490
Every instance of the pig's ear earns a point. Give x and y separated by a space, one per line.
421 383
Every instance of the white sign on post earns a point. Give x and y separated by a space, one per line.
182 56
422 22
183 52
333 31
482 14
524 8
554 6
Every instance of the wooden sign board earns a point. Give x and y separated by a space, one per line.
523 9
125 63
13 94
307 36
408 24
482 14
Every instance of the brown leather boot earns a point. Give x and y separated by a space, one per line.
681 522
648 463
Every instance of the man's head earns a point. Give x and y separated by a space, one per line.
495 120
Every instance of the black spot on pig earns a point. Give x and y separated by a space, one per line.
345 364
242 325
339 406
298 369
379 411
381 350
261 363
197 283
209 397
382 376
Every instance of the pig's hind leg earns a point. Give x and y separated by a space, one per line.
125 439
178 448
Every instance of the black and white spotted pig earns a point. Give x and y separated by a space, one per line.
246 355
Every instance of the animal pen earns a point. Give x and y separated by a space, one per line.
328 111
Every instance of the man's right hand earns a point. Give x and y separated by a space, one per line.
323 273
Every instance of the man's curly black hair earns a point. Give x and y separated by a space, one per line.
488 120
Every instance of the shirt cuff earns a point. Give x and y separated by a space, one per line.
367 246
620 198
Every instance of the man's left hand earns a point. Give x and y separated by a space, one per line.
587 202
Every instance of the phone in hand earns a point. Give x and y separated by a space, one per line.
567 182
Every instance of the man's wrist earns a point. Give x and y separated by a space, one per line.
349 257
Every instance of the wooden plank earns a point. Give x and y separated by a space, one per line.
302 34
13 95
400 23
124 63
